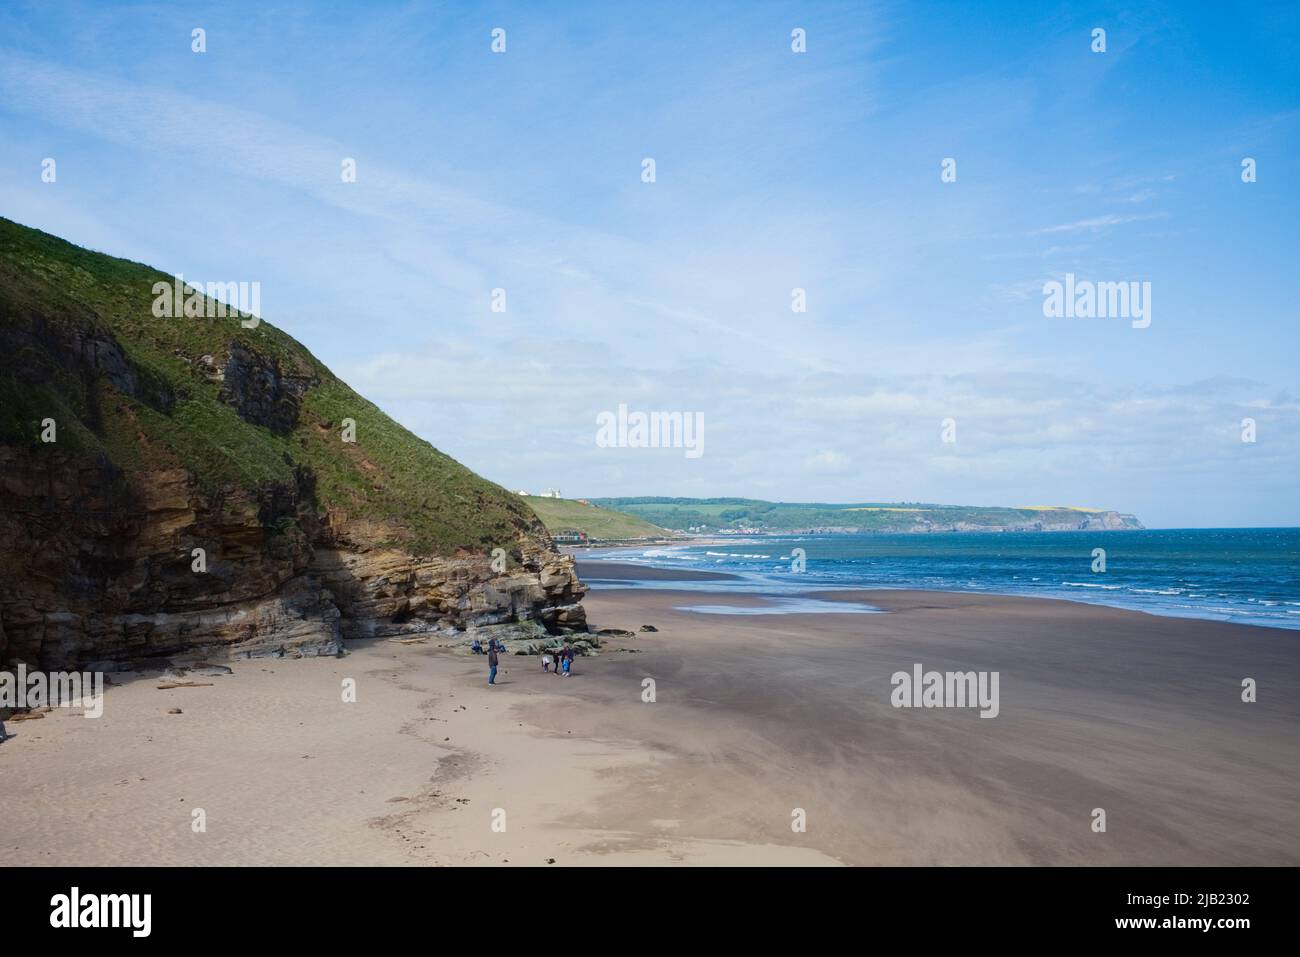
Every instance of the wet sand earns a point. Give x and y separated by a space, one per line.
755 718
1099 708
603 571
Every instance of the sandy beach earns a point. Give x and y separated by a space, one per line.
754 716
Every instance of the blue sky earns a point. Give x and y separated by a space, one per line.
775 170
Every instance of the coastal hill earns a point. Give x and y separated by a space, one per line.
566 518
713 516
201 481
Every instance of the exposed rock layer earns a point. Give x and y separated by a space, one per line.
98 569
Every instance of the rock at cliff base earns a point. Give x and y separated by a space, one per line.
211 671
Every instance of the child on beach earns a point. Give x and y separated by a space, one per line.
567 656
546 662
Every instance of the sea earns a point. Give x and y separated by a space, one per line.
1246 575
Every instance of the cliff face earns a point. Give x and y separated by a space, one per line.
197 483
1053 520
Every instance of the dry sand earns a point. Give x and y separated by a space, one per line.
755 716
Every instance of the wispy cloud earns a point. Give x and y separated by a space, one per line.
1019 435
1096 223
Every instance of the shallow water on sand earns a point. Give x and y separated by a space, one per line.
787 606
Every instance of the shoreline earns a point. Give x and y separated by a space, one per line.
653 569
618 575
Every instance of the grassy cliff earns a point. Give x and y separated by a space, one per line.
238 408
601 524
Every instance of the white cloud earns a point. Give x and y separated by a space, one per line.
835 463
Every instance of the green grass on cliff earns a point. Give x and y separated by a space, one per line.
604 524
55 297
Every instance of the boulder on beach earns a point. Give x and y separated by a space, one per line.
204 668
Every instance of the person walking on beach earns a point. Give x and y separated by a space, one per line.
492 662
567 656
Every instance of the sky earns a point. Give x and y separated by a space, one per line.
774 170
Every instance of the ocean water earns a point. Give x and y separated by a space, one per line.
1247 575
